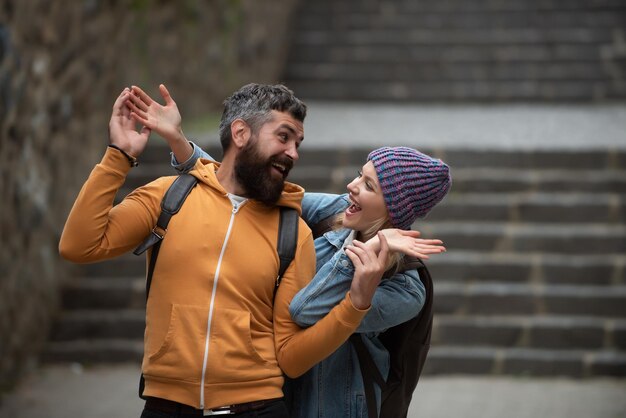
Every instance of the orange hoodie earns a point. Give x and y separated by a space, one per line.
215 335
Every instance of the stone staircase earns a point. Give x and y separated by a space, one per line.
459 50
533 283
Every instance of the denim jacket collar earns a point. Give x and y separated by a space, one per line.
337 237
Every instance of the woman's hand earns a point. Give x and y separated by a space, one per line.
409 243
164 120
369 267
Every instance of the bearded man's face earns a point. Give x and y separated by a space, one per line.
262 176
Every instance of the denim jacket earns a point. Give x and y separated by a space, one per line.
334 387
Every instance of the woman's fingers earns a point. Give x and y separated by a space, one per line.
384 249
133 107
359 252
142 95
410 233
165 94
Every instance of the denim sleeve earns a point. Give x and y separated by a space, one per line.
186 166
327 288
319 206
396 300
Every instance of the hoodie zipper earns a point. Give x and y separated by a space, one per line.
211 305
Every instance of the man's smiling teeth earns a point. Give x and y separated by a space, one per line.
279 167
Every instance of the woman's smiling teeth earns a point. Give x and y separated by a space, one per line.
353 208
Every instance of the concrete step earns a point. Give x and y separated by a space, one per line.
359 16
102 293
415 36
532 207
323 71
546 332
564 90
455 265
538 332
475 180
455 54
94 351
456 6
128 265
529 238
328 177
525 362
92 323
524 299
548 268
346 155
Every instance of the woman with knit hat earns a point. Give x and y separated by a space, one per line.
396 186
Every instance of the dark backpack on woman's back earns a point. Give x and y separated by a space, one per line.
407 344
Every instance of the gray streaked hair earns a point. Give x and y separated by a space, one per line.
253 103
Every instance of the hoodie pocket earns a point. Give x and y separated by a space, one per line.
233 356
181 351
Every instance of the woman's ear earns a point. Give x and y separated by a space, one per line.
240 132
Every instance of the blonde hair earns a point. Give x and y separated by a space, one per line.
394 258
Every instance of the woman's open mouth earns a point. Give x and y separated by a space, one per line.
352 209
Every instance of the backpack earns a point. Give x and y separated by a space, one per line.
407 343
170 205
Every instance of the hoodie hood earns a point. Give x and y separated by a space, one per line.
205 171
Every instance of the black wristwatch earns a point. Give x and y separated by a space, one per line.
131 160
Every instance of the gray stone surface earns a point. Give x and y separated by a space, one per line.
504 127
63 391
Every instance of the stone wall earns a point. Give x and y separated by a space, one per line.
61 66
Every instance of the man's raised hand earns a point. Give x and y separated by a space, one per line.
164 120
122 130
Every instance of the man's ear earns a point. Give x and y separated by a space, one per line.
240 132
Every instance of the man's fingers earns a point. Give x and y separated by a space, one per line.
119 102
145 132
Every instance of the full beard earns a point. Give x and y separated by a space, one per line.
254 173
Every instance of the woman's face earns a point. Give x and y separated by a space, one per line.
368 204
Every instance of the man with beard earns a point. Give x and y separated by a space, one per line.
217 340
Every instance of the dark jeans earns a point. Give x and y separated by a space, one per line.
275 409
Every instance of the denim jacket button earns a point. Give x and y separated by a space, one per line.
344 263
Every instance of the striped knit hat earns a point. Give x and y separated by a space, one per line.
412 183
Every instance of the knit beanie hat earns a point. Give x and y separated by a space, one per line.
412 183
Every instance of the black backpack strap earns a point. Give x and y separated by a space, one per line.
170 205
287 240
370 374
412 338
369 371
